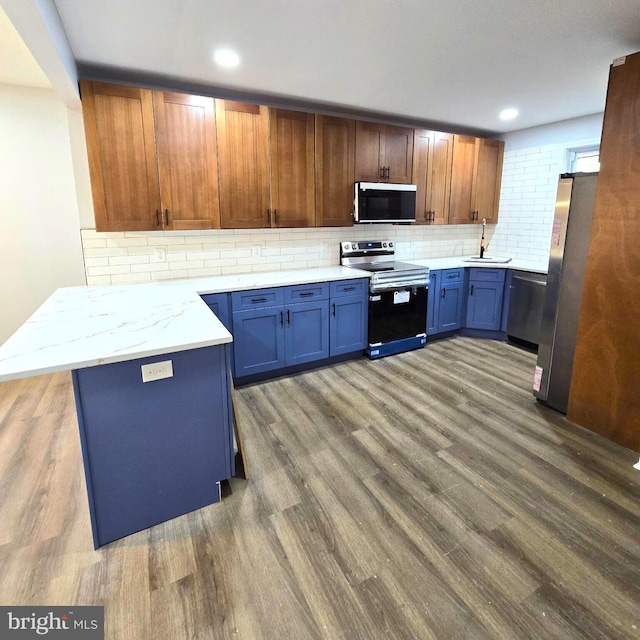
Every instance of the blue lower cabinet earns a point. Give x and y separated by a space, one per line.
484 300
348 324
153 450
306 335
258 336
451 296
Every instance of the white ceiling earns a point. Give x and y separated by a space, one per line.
17 64
452 62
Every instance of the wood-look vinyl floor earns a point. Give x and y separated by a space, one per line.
421 496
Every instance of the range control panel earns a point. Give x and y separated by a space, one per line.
367 246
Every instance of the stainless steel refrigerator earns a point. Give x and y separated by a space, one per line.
561 309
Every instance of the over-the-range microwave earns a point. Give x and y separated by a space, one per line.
384 202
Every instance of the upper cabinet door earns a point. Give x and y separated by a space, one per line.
243 159
122 156
335 171
384 153
461 208
369 151
291 147
187 160
439 176
488 178
422 150
398 154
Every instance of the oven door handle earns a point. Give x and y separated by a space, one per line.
380 288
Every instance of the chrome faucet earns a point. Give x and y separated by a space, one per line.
483 248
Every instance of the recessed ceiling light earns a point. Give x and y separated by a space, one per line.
508 114
226 58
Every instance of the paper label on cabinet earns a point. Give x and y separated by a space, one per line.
537 379
400 297
618 61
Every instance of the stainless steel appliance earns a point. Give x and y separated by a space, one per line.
525 306
397 296
384 202
567 261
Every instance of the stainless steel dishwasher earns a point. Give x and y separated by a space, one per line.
525 306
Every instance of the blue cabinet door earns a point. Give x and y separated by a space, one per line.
450 306
258 340
432 302
307 332
484 305
348 324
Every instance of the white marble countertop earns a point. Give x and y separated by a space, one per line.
81 327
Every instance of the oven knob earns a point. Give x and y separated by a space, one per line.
390 244
384 245
354 246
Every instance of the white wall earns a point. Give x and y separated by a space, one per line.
40 247
533 160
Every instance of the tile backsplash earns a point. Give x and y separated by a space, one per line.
129 257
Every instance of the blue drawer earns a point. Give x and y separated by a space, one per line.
452 275
349 287
257 299
306 292
487 275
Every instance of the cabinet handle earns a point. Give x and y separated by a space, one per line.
275 215
388 171
471 292
255 300
158 218
288 316
306 294
166 215
349 289
334 308
381 173
444 292
282 318
269 216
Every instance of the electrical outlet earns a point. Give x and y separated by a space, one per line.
160 254
324 247
157 371
256 251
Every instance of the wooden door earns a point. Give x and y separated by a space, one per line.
243 164
335 171
422 147
122 156
292 153
369 151
461 204
187 160
488 178
439 176
398 154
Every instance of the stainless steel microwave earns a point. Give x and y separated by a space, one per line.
384 202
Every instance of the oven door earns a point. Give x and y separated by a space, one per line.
397 314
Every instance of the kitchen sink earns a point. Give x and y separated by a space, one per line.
494 259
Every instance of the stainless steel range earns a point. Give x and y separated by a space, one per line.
397 296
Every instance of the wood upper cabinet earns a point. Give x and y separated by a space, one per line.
122 156
152 158
243 157
187 160
432 162
384 153
335 171
291 146
475 179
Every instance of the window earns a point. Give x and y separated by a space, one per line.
586 159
